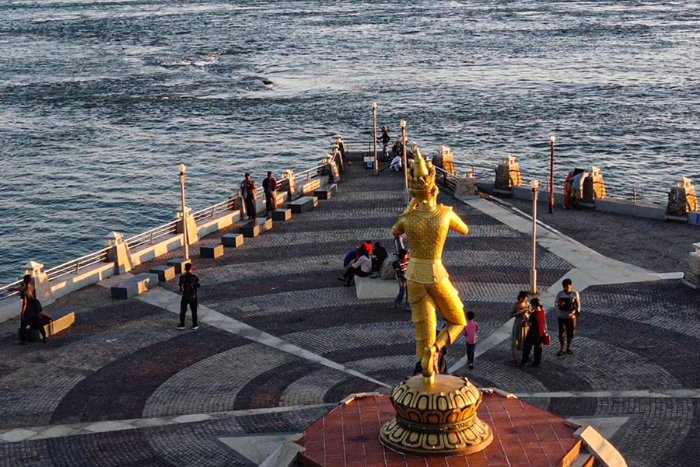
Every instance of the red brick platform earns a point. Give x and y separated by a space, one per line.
524 436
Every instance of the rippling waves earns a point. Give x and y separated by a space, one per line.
100 100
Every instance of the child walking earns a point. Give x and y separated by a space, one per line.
470 331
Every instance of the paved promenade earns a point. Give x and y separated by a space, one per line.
282 341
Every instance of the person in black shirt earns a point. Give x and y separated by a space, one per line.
381 254
189 283
385 143
269 186
31 310
249 195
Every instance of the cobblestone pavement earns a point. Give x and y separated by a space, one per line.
660 246
124 387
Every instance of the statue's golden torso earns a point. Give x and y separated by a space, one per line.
426 231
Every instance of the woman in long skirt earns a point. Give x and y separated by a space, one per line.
519 312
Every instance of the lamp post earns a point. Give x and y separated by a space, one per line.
534 184
374 119
551 173
405 161
186 240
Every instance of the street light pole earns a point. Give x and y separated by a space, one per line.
405 162
186 239
551 174
534 184
374 119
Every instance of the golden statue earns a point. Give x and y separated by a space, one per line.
426 225
435 413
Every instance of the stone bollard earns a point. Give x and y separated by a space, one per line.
41 282
593 186
119 254
466 187
445 160
507 176
681 200
691 276
288 183
335 173
192 234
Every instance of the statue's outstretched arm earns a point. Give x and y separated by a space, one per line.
458 225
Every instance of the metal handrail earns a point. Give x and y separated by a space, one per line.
449 181
149 237
6 292
74 266
310 173
211 211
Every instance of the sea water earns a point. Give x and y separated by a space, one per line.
100 100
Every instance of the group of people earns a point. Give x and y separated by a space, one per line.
249 195
363 261
530 324
395 153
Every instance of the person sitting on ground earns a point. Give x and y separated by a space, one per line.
380 255
350 257
361 267
397 163
368 246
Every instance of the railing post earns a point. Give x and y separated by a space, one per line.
119 253
152 237
41 282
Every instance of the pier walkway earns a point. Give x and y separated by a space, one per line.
281 341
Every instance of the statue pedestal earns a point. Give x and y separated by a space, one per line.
523 434
437 418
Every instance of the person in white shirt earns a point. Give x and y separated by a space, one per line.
568 304
397 164
362 267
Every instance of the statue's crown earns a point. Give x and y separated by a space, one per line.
421 177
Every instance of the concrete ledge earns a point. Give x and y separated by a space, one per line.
218 223
134 286
255 227
85 277
650 211
164 272
148 252
367 288
178 264
281 214
233 240
306 203
211 251
11 308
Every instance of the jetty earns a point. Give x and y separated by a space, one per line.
282 344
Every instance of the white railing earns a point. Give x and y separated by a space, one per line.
154 235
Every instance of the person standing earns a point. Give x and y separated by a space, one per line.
535 333
400 266
189 283
31 309
249 196
568 303
386 139
470 331
270 187
519 315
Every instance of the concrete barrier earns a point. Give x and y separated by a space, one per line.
134 286
211 251
306 203
367 288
